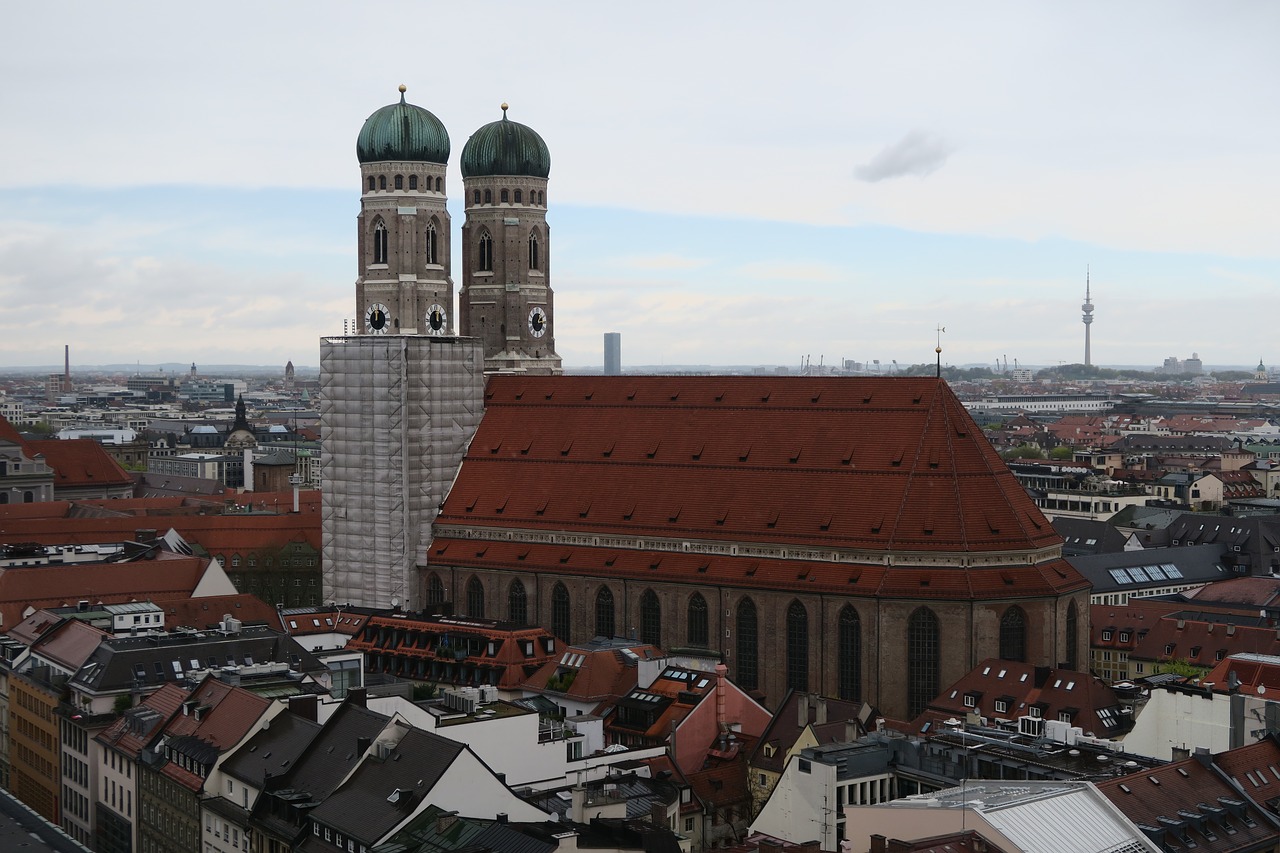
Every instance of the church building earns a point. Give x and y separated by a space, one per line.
855 537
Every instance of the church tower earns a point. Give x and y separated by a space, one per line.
506 298
404 285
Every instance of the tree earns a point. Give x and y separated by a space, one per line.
1026 451
1061 452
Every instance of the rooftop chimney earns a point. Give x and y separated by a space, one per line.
802 710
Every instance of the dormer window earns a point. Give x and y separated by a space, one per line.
970 700
1124 636
1106 636
1035 712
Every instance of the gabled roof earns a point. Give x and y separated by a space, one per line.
135 728
273 750
1020 687
828 717
879 463
1256 769
1188 800
168 576
80 463
70 644
600 669
1195 564
384 791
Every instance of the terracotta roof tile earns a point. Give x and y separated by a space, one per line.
80 462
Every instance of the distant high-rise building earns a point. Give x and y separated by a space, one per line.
612 354
1087 319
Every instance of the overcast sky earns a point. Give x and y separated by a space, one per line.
731 182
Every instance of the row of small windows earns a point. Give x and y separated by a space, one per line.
536 197
380 183
430 243
27 497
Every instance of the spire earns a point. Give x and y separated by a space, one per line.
1087 316
242 420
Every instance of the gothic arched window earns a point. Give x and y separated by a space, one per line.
650 619
604 613
382 182
476 196
1013 634
1072 628
399 182
849 655
797 646
439 184
506 196
533 251
748 669
519 196
488 196
517 604
429 243
475 598
435 590
486 253
373 183
697 621
541 200
922 660
561 622
379 242
413 182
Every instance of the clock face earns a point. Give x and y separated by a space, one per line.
376 319
537 322
437 320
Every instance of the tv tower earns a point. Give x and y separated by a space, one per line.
1087 318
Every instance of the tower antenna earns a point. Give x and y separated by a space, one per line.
938 350
1087 317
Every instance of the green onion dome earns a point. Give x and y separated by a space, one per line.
403 132
505 147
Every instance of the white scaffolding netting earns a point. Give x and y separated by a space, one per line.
396 415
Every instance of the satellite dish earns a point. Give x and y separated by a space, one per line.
1262 688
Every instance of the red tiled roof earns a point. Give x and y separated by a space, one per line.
167 577
1165 797
1254 676
88 522
1252 591
69 644
1023 686
9 434
602 674
122 735
1255 768
881 463
207 612
80 462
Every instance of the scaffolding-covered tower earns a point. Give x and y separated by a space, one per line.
396 415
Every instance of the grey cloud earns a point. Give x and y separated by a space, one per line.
919 153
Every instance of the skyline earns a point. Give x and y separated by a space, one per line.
726 191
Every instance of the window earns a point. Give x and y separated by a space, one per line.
922 660
1013 634
379 242
1124 636
373 184
560 621
475 598
604 613
696 622
506 197
382 182
1035 712
849 655
399 182
517 604
488 196
518 197
435 590
439 184
429 244
540 201
650 619
1002 706
797 646
748 674
1106 636
970 701
486 253
413 182
476 196
533 251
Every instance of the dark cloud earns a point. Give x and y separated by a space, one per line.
918 153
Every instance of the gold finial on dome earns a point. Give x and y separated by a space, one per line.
504 109
403 88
